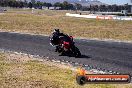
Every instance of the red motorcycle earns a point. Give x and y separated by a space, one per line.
67 47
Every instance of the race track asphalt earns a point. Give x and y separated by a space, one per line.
115 56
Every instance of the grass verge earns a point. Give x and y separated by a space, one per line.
17 71
43 21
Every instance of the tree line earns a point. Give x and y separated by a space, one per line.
64 6
107 8
36 4
21 4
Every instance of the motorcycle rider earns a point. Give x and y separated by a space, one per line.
56 36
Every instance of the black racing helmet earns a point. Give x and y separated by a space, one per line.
57 30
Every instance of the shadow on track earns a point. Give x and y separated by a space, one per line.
85 56
71 55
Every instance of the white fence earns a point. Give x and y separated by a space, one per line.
95 16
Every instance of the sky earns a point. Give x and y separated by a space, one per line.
120 2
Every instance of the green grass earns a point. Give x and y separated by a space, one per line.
35 74
43 21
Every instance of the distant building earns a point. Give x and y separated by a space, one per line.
53 8
57 8
43 7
